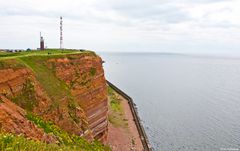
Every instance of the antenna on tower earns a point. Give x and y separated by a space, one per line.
61 36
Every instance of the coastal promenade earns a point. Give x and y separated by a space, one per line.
136 118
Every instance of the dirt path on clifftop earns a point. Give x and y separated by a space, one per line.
124 137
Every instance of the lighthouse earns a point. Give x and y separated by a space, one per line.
41 42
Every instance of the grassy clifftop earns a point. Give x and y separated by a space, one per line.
47 52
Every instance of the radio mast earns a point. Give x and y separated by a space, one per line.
61 30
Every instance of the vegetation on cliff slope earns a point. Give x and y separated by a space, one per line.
11 142
56 90
10 63
26 99
116 116
65 138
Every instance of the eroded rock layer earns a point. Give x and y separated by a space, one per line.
85 77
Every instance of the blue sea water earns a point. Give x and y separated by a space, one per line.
186 103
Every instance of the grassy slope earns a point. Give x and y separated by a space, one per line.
37 61
116 116
56 89
10 142
65 139
26 98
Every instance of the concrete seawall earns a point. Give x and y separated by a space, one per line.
140 128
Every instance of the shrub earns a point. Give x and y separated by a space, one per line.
65 138
93 71
26 99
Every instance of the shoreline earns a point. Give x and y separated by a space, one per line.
122 131
133 119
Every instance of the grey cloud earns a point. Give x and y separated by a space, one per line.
28 12
162 12
221 24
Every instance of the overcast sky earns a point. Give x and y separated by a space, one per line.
195 26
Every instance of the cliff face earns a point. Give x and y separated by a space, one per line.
85 77
68 90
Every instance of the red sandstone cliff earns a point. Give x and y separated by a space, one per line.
84 76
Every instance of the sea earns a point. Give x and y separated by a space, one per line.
185 102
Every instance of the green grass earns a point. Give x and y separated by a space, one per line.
10 63
10 142
116 117
47 52
115 103
63 137
55 88
27 98
72 107
93 71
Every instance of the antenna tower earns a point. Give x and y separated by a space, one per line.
61 30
